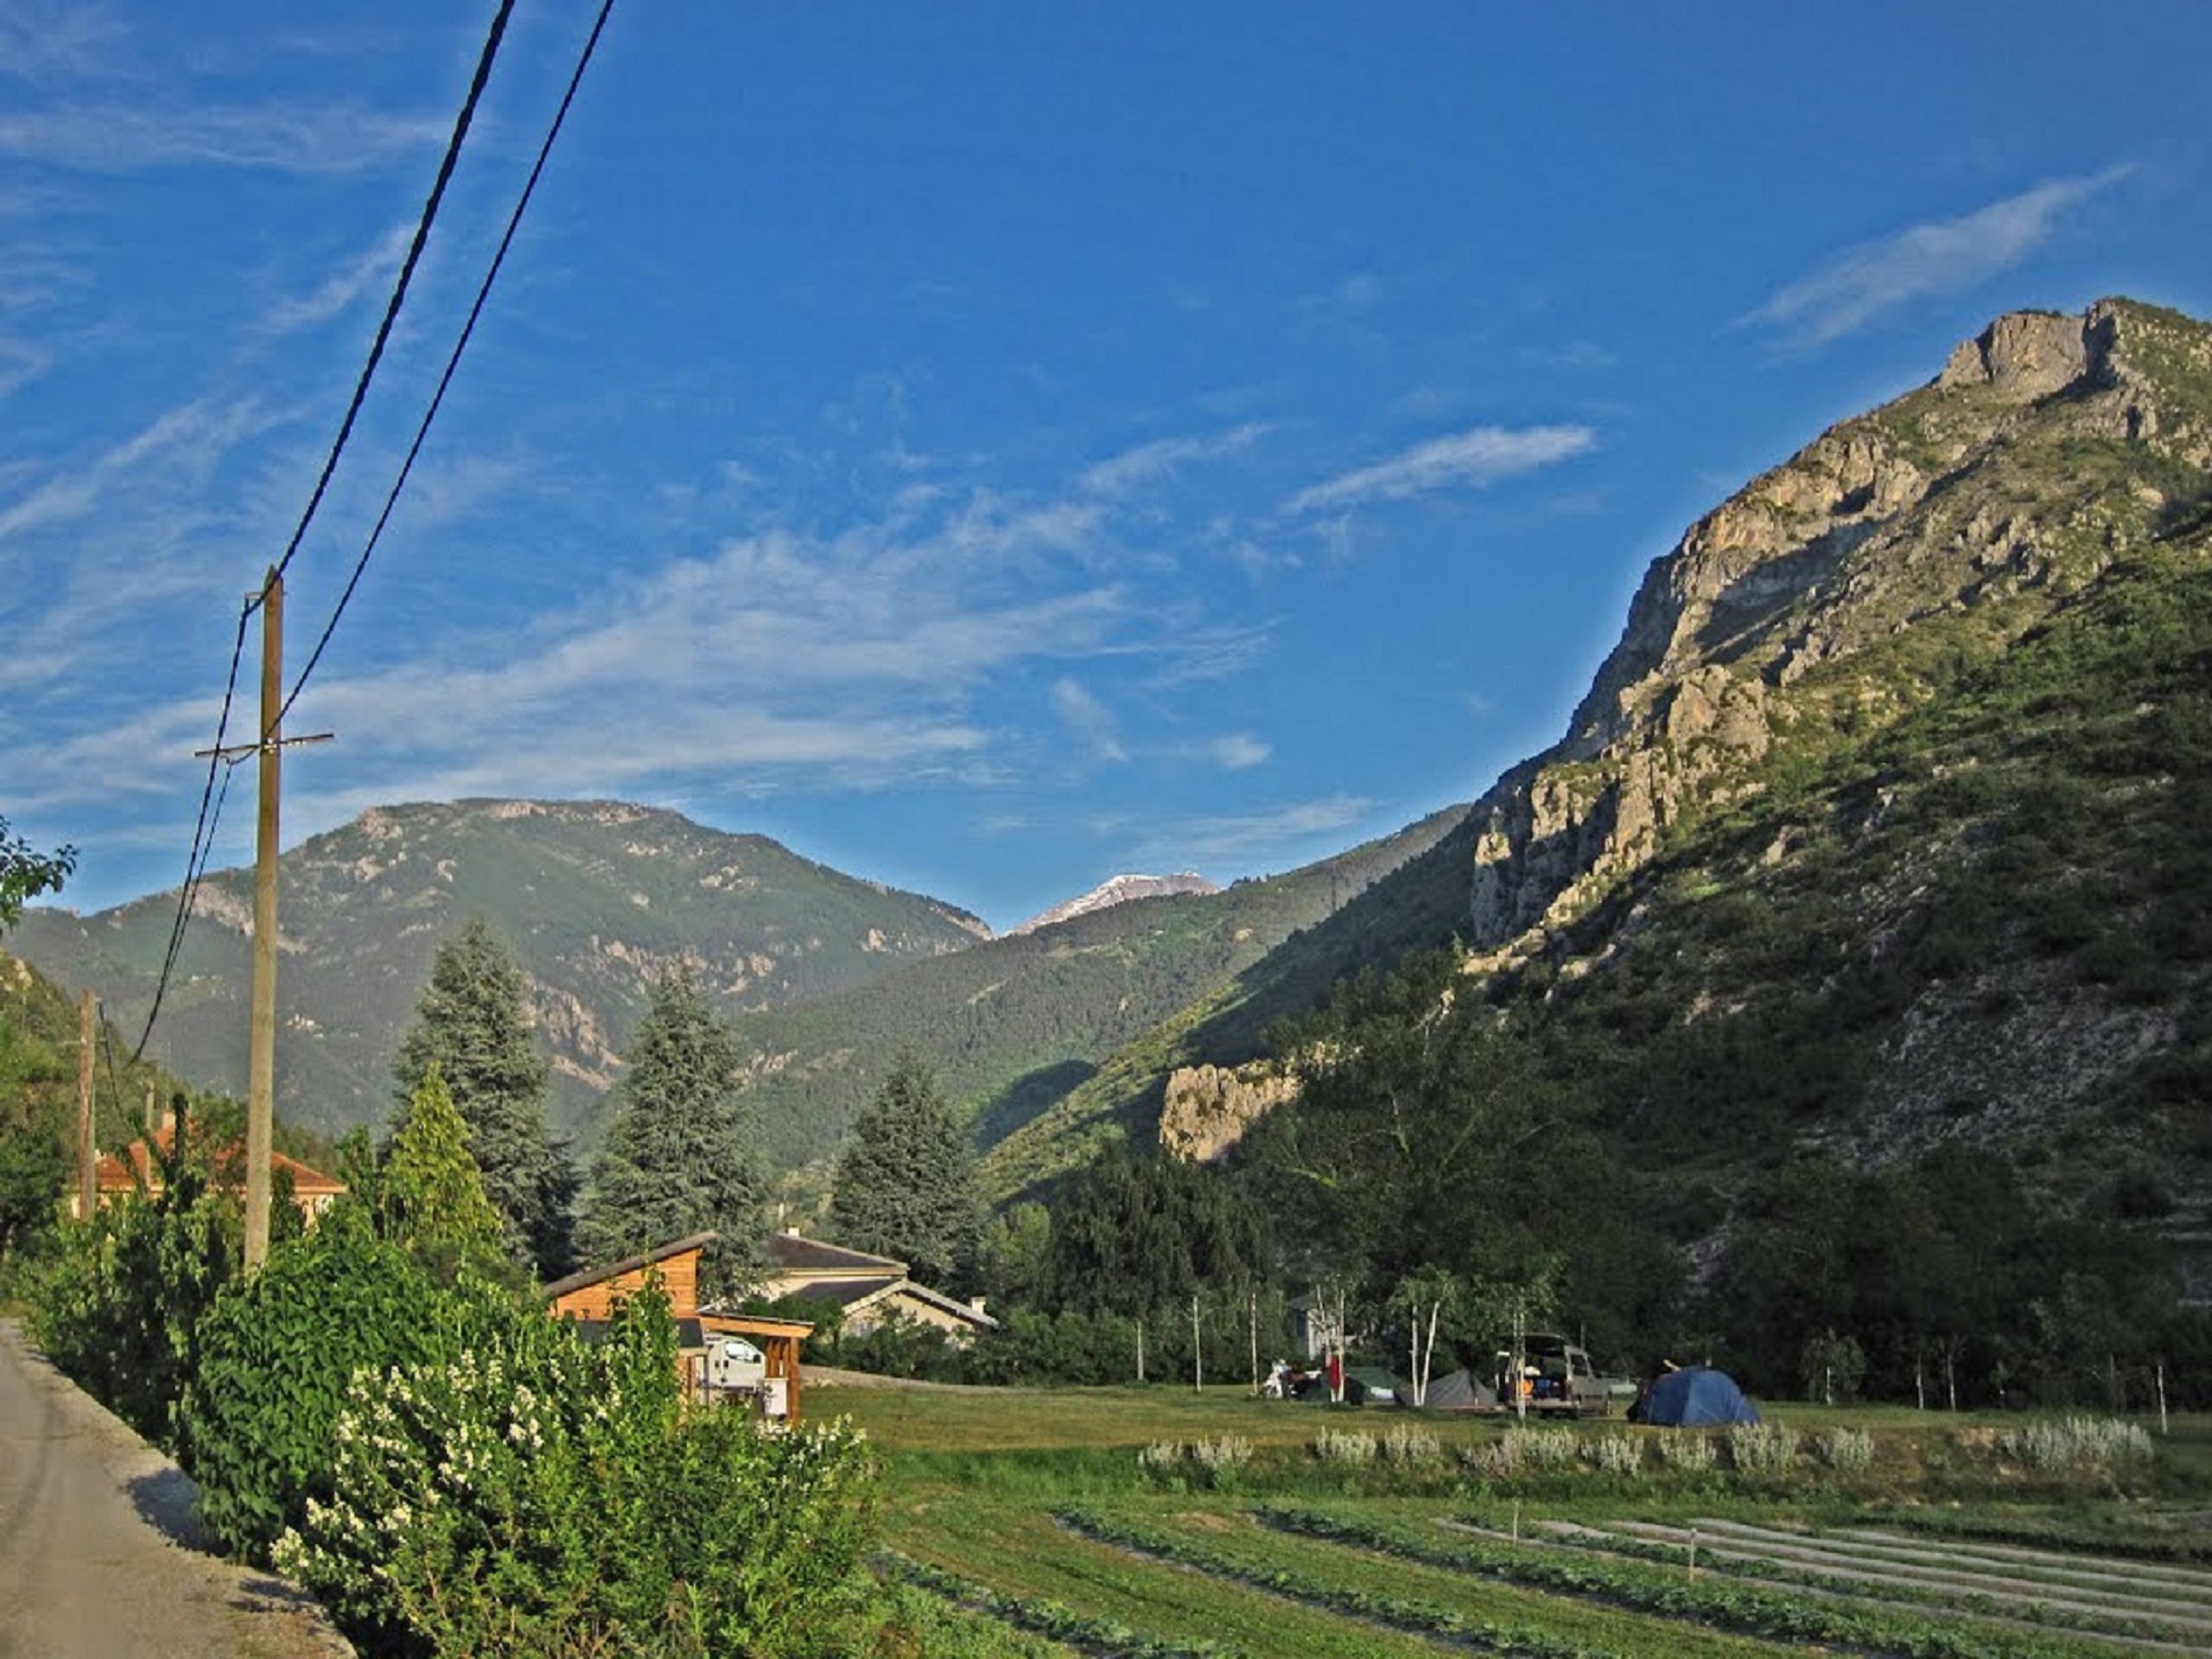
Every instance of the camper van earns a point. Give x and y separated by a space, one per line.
1555 1376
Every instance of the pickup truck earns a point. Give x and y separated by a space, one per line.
1555 1376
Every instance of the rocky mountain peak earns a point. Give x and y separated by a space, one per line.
1973 490
1118 890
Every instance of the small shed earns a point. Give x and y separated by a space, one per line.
589 1298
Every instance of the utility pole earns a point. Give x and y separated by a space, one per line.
261 1065
261 1060
87 1187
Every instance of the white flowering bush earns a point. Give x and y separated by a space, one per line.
1344 1446
1525 1450
2076 1443
1690 1452
1411 1447
1616 1454
1761 1448
1846 1451
534 1496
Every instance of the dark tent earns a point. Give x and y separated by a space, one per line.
1369 1385
1692 1396
1455 1391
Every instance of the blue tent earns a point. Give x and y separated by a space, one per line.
1694 1396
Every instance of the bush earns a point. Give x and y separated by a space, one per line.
1411 1446
1616 1454
1691 1453
530 1494
119 1305
1344 1446
1761 1448
1846 1451
2076 1443
276 1357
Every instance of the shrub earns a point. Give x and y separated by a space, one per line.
528 1495
1846 1451
119 1305
1404 1445
1529 1451
1761 1448
2076 1443
1344 1446
1616 1454
1691 1453
277 1355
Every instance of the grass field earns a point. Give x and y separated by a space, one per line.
1163 1521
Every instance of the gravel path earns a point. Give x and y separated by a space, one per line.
100 1556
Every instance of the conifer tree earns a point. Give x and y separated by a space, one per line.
679 1158
906 1183
471 1025
430 1196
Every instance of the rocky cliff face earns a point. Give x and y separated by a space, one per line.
1962 494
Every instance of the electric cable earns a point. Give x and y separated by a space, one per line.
453 363
203 835
446 166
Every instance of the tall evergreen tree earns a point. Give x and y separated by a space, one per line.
679 1158
471 1026
430 1197
906 1183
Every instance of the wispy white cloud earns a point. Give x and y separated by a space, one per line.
323 139
1466 459
1239 752
1150 462
369 271
1940 256
1254 837
1085 714
39 37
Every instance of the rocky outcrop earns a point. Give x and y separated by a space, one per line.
1208 1107
1953 496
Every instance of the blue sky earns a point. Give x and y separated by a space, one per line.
987 446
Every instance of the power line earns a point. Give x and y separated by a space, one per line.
453 361
406 273
203 839
203 834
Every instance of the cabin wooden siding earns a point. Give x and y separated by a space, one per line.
679 1280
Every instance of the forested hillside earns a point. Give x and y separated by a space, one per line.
1016 1024
1882 1019
594 898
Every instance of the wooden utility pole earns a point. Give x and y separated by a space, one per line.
87 1187
261 1057
261 1065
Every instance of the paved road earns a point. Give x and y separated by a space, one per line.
100 1556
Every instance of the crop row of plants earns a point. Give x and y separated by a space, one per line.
1394 1594
1021 1551
1052 1620
1862 1569
1673 1594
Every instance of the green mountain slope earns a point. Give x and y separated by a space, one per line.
594 898
1880 826
1016 1024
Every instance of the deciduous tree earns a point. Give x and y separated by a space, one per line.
26 873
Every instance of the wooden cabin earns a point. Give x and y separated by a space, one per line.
589 1298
